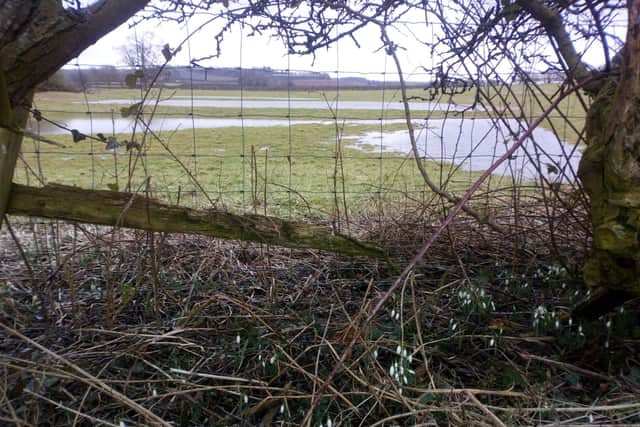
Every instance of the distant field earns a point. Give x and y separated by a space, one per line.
233 164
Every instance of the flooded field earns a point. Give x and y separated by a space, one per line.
237 103
475 144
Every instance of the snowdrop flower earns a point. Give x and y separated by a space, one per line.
238 339
282 408
273 359
608 324
492 342
245 398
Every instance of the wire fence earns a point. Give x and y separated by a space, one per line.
336 148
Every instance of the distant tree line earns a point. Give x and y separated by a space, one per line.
80 78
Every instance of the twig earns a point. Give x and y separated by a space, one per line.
567 366
73 411
91 380
484 409
421 253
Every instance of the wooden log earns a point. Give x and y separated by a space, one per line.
137 211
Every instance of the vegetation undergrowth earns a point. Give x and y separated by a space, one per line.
206 332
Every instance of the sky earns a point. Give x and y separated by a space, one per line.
238 49
263 51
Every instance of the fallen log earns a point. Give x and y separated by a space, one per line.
130 210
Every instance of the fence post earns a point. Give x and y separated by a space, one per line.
11 123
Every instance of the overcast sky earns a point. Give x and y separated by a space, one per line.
263 51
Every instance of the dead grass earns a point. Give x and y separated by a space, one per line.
109 327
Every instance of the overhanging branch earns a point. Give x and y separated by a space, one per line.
551 21
52 36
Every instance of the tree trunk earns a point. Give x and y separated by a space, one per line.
610 173
36 39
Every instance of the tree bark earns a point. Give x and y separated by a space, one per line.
39 37
36 39
610 173
136 211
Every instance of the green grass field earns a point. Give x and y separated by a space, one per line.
297 166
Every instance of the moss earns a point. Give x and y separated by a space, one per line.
610 173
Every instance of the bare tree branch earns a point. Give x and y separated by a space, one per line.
551 21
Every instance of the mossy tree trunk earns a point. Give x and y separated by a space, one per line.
610 173
610 166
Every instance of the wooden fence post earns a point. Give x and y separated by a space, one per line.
12 121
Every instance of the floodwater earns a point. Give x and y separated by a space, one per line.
125 126
475 144
285 103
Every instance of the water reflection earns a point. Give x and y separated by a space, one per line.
475 144
124 126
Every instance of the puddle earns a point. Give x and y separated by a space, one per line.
475 144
